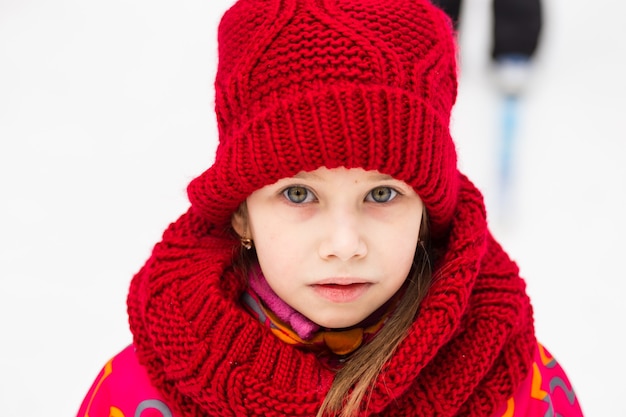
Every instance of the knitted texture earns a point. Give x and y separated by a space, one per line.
309 83
303 84
467 351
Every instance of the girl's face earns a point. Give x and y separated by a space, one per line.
334 244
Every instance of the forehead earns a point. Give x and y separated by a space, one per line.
325 173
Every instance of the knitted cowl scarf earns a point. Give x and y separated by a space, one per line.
334 83
470 346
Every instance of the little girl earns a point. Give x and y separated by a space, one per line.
333 261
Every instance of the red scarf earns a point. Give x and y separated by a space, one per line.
468 350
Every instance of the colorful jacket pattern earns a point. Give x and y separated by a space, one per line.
122 389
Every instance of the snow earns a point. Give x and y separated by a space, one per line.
106 113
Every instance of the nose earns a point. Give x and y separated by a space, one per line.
342 236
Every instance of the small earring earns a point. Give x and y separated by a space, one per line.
246 242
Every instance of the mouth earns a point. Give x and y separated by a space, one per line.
341 292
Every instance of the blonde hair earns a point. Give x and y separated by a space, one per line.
356 378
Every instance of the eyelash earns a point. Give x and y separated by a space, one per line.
309 194
393 194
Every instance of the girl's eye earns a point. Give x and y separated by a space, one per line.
381 194
298 195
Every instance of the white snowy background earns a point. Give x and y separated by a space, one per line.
106 113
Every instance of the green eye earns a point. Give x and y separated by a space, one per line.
298 195
382 194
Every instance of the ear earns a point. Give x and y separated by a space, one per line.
240 224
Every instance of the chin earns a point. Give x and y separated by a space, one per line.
338 324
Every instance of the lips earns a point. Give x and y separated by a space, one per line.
341 292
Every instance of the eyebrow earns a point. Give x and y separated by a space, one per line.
381 177
305 175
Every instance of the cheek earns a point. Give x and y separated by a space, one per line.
401 232
400 245
280 260
275 246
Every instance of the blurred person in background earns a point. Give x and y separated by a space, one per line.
515 34
514 37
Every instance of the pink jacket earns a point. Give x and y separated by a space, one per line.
122 389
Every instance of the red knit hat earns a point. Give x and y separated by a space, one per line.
306 83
